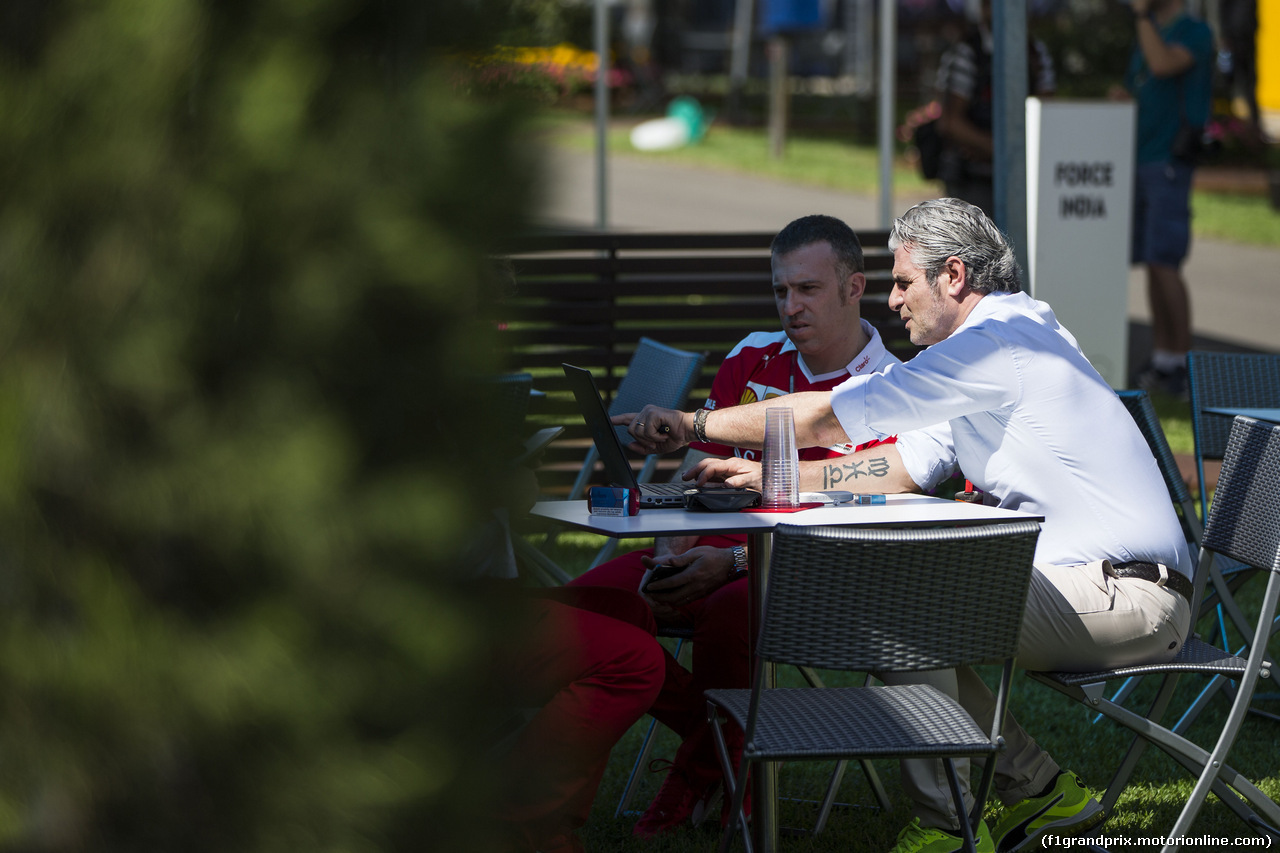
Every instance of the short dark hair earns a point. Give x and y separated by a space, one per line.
818 228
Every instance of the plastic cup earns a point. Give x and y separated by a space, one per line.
780 468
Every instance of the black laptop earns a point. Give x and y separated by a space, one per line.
611 449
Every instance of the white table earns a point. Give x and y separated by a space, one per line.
897 511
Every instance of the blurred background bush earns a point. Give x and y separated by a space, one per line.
243 245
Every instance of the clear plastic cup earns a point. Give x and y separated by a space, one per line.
780 468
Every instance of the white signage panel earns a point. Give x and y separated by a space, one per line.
1079 219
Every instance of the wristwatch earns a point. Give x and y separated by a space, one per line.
739 568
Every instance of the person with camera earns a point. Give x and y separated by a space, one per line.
1170 78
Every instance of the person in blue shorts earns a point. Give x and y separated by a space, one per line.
1169 76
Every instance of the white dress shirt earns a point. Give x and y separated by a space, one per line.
1033 425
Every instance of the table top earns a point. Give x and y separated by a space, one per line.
897 511
1262 414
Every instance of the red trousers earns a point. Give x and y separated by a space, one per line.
721 655
589 658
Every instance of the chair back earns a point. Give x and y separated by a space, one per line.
1138 403
1218 379
511 397
878 599
1244 522
657 374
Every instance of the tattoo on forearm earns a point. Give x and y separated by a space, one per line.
836 473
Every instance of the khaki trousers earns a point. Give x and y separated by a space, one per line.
1078 619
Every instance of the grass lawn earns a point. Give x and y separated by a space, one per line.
1149 806
839 164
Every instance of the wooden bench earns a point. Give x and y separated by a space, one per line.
586 299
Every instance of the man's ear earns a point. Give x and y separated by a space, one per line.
957 276
857 284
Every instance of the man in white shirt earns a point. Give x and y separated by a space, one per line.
1036 428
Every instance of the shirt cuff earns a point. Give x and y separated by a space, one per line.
849 404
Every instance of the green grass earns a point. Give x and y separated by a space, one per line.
835 163
1149 806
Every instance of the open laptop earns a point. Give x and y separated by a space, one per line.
611 449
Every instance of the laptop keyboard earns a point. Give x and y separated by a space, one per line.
664 488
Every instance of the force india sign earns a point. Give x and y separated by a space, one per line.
1079 211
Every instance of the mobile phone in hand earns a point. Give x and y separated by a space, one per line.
662 571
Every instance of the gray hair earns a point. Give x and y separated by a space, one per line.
941 228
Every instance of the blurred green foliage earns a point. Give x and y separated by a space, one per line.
243 247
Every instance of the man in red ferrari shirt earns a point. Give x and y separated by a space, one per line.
818 281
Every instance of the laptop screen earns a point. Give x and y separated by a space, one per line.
612 452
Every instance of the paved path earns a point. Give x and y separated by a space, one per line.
1235 290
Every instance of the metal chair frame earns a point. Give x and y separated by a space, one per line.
1244 525
829 607
1222 379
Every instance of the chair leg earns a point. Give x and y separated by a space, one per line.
539 561
837 775
953 782
829 799
642 758
1214 765
633 780
606 551
1120 779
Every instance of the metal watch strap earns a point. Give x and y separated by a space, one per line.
700 424
739 568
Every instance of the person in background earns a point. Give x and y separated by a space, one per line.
1170 77
965 91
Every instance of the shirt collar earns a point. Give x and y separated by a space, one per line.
864 362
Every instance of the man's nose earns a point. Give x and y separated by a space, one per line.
895 299
790 304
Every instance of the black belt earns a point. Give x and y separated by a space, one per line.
1174 580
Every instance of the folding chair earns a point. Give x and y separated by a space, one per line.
854 599
1139 405
1221 379
1244 525
683 635
657 374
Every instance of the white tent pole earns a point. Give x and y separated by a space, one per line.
1009 69
602 114
740 55
888 79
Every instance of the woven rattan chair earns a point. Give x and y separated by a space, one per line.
859 600
1225 380
1138 402
1244 525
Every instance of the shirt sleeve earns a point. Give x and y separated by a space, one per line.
726 391
1046 82
928 455
957 72
963 375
